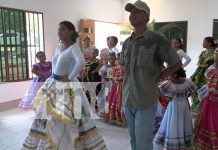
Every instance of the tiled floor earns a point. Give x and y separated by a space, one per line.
15 124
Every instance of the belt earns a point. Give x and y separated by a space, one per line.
56 77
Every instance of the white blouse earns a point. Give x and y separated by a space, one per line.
114 50
182 55
69 61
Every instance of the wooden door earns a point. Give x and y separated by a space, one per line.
87 28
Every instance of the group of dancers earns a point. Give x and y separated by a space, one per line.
174 127
173 120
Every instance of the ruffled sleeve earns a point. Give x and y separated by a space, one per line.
207 72
190 87
166 89
35 66
170 89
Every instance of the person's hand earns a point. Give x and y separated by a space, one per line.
94 71
168 98
196 79
64 78
104 74
83 74
160 76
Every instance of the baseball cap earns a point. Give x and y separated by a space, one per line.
138 5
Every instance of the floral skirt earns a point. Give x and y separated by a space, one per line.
206 125
114 113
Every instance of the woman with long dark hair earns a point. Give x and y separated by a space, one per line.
63 113
206 124
205 60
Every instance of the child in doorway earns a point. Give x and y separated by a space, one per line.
115 114
103 72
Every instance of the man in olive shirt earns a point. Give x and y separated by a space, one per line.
143 54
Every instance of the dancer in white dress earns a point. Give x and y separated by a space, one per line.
177 45
103 72
63 113
176 127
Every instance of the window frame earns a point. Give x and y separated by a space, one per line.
39 44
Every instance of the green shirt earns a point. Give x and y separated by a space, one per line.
143 58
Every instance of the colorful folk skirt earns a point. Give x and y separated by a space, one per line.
206 125
63 119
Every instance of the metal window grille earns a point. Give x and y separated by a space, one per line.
21 37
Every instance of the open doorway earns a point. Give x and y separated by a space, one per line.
105 29
98 31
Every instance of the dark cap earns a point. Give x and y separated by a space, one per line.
138 5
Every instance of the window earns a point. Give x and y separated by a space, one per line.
21 37
172 30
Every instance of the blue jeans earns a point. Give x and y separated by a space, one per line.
141 126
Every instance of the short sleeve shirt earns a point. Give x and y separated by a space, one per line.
143 58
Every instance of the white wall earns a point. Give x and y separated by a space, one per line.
13 91
55 11
102 31
198 13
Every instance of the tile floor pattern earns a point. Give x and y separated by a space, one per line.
15 125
